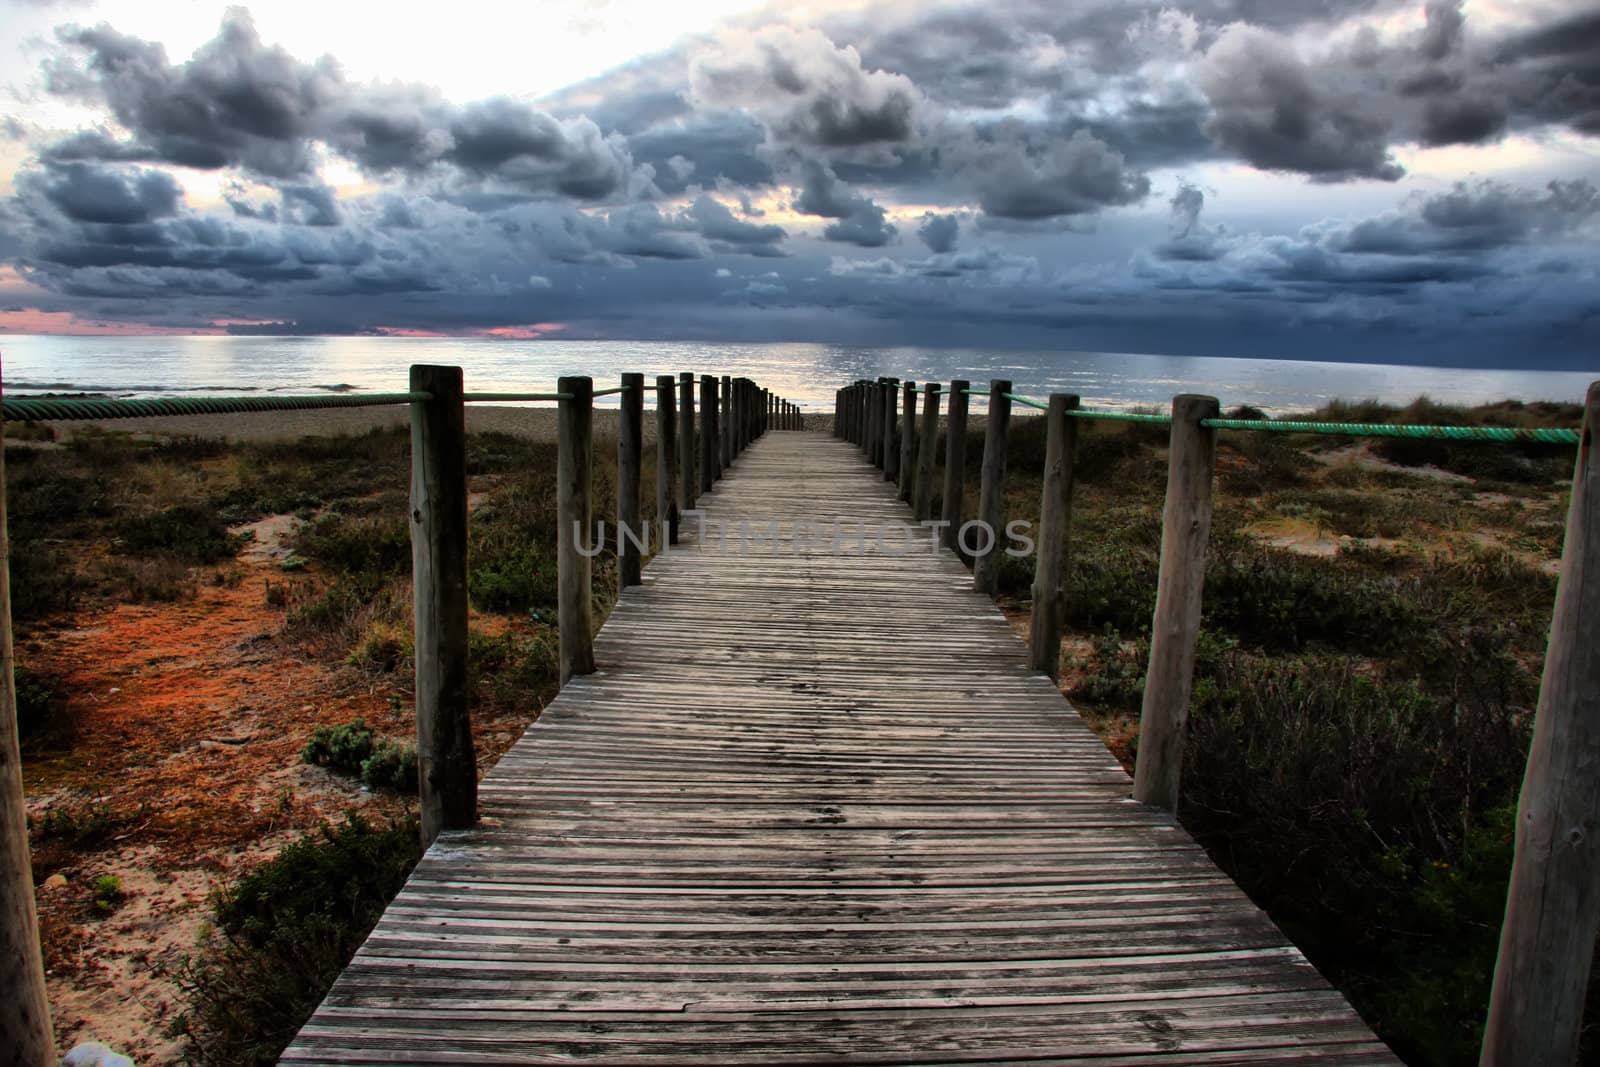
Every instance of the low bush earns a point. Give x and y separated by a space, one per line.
341 748
283 933
41 704
354 748
187 532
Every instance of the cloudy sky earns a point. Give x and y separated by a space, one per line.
1356 179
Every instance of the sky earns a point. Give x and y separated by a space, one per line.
1327 179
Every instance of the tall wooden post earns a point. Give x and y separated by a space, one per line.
574 521
1055 536
922 502
955 464
1553 906
725 430
688 485
874 420
1185 526
891 430
736 415
838 410
630 457
992 487
908 441
708 432
25 1008
447 768
667 458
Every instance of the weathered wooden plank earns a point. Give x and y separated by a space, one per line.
852 826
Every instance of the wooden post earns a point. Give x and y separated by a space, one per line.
574 521
955 464
630 457
736 416
908 441
838 410
922 502
725 431
1055 536
25 1010
992 488
1185 526
891 430
447 769
1552 907
708 432
874 420
667 458
688 487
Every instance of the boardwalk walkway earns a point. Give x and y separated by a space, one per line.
815 809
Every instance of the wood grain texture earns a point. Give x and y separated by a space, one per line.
1175 626
447 768
574 524
25 1011
1552 909
852 827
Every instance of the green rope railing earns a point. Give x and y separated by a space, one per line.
58 409
1384 429
502 398
1026 401
1120 416
1543 435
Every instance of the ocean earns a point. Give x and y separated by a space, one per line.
807 374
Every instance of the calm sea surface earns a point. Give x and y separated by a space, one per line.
806 373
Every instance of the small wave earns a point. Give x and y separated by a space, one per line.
124 390
342 387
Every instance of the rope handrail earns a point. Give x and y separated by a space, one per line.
61 409
1543 435
1119 416
1026 401
1559 436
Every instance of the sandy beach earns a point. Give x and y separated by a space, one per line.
537 424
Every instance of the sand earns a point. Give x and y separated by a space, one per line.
537 424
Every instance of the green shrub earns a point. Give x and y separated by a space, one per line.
342 748
41 704
108 895
188 532
367 545
284 932
391 766
1282 600
44 581
354 748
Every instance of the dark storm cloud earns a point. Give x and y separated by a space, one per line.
939 232
859 221
1475 217
235 102
727 233
807 90
309 205
1018 178
1478 234
720 145
1275 112
240 103
86 193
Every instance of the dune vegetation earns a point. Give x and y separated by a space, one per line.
1375 622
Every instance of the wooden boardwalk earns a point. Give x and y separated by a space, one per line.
814 808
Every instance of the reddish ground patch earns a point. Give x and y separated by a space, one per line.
189 721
